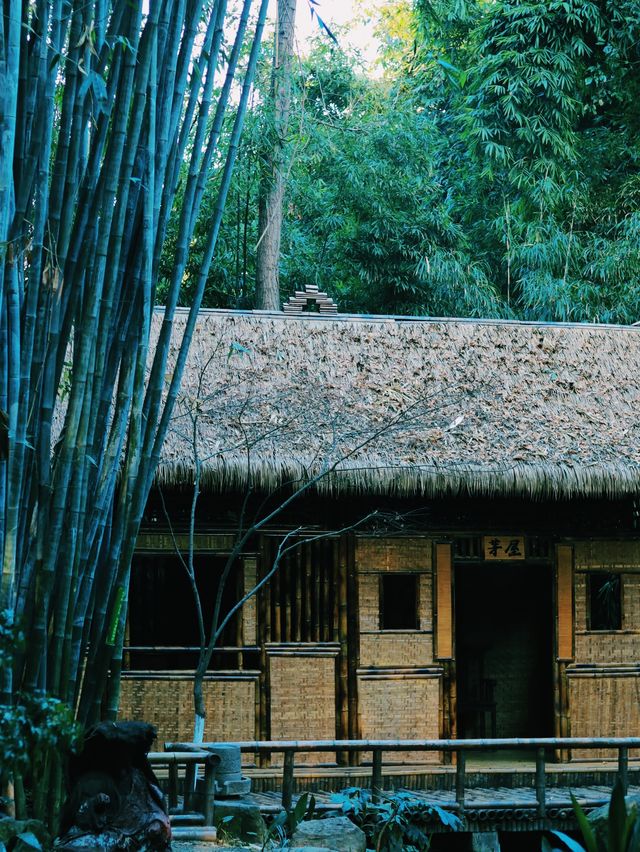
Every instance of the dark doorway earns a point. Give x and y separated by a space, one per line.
504 645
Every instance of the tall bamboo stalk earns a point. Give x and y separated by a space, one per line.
104 106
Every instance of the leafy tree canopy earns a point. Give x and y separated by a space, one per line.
491 167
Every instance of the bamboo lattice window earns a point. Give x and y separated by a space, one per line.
162 627
302 598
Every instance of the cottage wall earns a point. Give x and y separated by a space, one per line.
166 701
604 679
316 659
399 687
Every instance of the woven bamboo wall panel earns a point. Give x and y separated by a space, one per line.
249 621
168 704
396 649
426 602
393 554
580 593
405 708
303 697
369 601
604 707
607 554
605 648
631 601
444 602
564 561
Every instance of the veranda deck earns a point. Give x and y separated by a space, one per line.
485 808
506 785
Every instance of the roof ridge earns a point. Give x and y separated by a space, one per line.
402 319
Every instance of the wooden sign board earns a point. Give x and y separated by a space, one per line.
506 548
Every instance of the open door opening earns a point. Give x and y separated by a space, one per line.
504 645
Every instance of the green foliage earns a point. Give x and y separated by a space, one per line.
35 727
491 169
23 835
398 822
285 823
621 829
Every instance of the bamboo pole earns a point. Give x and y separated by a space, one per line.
342 697
353 637
289 594
541 783
460 778
323 617
99 112
376 775
264 635
308 581
277 597
623 767
298 596
317 611
287 779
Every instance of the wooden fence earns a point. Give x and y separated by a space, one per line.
460 748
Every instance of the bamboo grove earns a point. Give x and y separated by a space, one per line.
109 107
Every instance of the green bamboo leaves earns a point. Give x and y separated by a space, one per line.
620 833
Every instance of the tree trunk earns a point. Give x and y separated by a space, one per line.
200 714
273 183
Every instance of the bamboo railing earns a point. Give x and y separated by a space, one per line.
189 758
461 749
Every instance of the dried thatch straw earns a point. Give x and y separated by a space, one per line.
402 406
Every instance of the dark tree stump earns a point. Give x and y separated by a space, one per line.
114 801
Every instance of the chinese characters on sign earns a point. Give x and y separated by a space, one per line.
504 547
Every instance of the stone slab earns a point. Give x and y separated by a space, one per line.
337 833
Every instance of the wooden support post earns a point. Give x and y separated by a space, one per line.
239 620
276 585
298 597
316 614
353 644
189 785
460 778
623 768
264 636
308 595
322 592
173 785
287 780
335 582
209 788
443 636
289 596
541 784
343 660
376 775
564 639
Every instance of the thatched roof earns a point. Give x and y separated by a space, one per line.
402 406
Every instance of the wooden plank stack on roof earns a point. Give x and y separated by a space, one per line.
311 297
